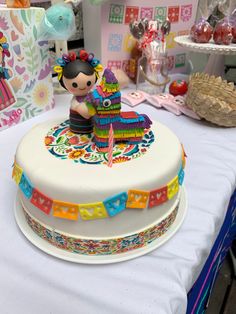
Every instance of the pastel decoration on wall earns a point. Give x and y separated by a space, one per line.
186 12
116 13
25 73
92 211
114 16
41 201
116 204
146 12
180 60
115 42
170 40
173 14
129 43
172 187
26 186
157 197
137 199
65 210
17 173
131 13
160 13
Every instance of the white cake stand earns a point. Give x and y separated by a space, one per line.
215 64
86 259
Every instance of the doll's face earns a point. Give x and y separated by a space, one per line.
80 85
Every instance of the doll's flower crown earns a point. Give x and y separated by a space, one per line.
83 56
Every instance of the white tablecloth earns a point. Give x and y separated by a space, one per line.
32 282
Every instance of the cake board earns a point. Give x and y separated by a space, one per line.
87 259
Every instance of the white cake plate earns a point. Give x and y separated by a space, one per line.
215 64
86 259
209 48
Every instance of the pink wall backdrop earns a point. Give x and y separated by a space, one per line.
117 42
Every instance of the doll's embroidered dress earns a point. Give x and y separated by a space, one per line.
6 96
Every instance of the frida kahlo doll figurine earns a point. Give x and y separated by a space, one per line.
78 74
6 96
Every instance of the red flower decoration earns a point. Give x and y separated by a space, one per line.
48 140
72 56
73 140
83 55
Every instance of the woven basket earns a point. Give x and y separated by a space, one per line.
212 99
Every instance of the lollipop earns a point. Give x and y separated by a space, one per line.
137 29
165 27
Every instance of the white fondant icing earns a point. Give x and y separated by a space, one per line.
81 183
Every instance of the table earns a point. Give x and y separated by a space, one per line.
34 282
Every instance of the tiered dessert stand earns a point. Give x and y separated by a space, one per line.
215 64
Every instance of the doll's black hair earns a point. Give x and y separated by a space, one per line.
72 69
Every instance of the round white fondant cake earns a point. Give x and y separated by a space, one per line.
72 199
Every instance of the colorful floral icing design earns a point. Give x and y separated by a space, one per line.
101 247
64 144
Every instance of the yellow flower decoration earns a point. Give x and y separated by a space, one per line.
122 145
58 69
98 68
41 95
76 154
69 133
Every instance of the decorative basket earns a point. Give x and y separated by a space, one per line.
213 99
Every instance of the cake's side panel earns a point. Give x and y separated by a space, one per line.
126 222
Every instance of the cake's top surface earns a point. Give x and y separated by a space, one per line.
83 183
80 148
